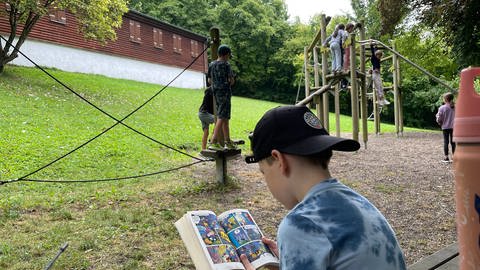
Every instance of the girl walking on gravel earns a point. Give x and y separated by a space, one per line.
445 116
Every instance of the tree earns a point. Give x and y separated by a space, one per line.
194 15
458 23
256 30
97 20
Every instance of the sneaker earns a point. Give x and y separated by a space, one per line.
381 102
446 160
230 145
215 147
386 102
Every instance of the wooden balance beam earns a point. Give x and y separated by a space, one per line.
444 259
221 157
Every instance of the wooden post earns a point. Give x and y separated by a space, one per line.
221 158
307 73
400 103
354 89
376 115
326 106
215 39
395 91
364 100
316 75
221 173
337 109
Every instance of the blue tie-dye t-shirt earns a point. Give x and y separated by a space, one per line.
336 228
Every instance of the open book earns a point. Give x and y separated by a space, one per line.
216 242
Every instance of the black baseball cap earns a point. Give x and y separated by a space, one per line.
293 130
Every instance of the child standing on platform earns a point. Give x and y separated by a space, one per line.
335 43
346 46
205 114
221 79
445 117
346 53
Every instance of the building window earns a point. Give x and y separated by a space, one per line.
157 38
193 48
177 43
135 28
58 15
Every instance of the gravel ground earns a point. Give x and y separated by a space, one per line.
404 177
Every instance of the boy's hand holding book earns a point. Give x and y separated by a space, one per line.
272 245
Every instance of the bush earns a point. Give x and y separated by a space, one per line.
421 99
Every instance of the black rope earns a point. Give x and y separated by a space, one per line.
102 180
106 113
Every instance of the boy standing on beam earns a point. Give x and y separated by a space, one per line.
221 79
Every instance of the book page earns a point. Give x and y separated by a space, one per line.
246 236
215 240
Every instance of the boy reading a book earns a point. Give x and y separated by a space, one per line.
329 226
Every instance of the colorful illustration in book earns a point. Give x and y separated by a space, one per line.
228 254
213 251
239 237
253 250
229 223
243 218
224 237
211 237
253 232
207 227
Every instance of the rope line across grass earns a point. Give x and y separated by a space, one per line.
117 121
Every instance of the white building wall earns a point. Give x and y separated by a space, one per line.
84 61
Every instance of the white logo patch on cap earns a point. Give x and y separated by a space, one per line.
312 120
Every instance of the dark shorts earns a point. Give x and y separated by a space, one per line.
206 119
223 99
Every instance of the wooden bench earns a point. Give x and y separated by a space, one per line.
221 157
444 259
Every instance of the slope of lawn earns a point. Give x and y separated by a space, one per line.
108 225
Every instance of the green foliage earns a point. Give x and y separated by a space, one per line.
98 20
391 14
255 30
421 93
428 51
367 11
194 15
457 24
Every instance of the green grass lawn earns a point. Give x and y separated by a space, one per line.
110 225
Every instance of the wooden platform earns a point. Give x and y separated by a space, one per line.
444 259
221 157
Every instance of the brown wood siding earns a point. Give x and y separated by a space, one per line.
68 34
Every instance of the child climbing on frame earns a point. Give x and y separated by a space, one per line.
334 41
346 45
377 75
445 117
346 52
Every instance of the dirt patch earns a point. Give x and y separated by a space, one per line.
403 177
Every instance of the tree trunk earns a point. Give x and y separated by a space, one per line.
5 56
